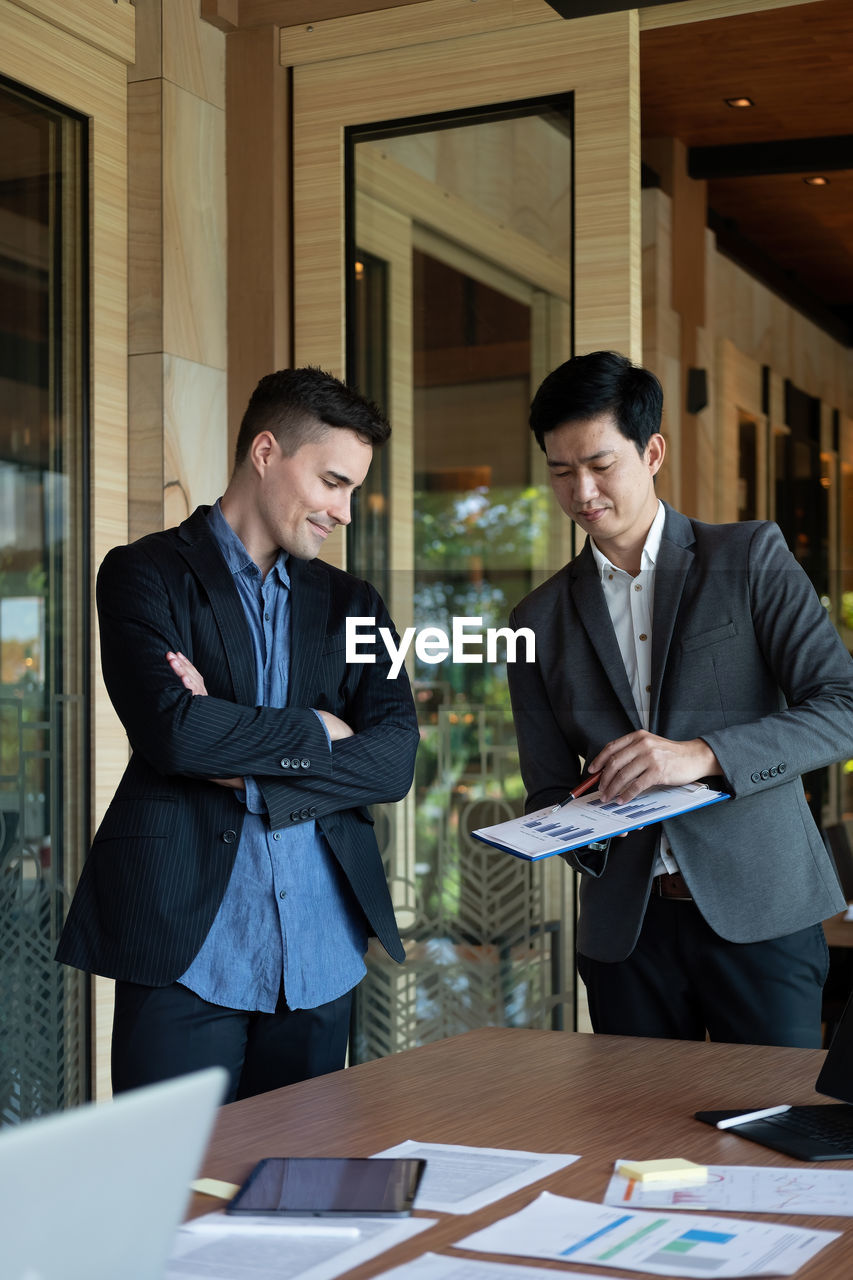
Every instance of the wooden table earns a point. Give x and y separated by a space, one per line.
600 1097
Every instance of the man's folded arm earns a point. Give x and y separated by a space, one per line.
176 733
373 766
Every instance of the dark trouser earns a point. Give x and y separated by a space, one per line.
682 980
161 1032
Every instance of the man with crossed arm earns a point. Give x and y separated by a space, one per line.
233 883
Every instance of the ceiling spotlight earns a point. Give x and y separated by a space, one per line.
739 102
818 181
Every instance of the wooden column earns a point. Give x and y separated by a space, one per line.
259 258
668 156
178 447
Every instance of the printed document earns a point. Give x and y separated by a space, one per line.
661 1244
587 820
745 1189
221 1247
435 1266
464 1179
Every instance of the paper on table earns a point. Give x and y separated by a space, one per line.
552 830
436 1266
219 1247
557 1228
745 1189
463 1179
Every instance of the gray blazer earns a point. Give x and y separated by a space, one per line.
744 656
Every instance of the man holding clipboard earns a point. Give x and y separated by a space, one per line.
667 652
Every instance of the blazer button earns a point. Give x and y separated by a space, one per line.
312 813
782 767
765 774
294 817
285 764
305 764
294 764
229 836
755 777
305 813
773 770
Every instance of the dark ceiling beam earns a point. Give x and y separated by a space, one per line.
760 159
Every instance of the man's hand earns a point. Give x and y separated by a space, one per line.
337 727
640 760
189 676
192 679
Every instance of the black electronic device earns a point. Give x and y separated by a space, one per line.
817 1132
329 1186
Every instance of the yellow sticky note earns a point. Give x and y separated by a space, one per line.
213 1187
673 1170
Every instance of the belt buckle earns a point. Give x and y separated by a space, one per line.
675 881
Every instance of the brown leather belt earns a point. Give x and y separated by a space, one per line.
672 886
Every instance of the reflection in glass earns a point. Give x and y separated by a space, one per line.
459 301
43 592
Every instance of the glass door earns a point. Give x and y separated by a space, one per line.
43 596
459 301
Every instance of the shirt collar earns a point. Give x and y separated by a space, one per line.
651 547
236 556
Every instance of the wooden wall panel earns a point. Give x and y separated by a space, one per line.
259 266
145 216
598 59
747 326
194 434
106 26
661 333
193 227
406 26
193 52
177 256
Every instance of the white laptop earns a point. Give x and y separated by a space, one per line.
97 1192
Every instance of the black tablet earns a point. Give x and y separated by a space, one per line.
329 1186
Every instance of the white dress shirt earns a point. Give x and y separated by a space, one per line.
631 602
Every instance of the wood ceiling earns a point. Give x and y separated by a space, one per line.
796 65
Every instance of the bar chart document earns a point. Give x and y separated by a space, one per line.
589 820
661 1244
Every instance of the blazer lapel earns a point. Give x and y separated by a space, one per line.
591 606
202 554
674 562
309 611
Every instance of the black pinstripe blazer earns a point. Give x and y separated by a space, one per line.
162 856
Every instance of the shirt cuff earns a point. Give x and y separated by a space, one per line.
254 800
325 727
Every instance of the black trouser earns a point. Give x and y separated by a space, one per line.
682 980
161 1032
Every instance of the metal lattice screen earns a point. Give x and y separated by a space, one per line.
489 939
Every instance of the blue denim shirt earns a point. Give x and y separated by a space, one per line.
288 913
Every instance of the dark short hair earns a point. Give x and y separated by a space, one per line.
297 405
601 382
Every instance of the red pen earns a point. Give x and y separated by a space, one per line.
587 785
